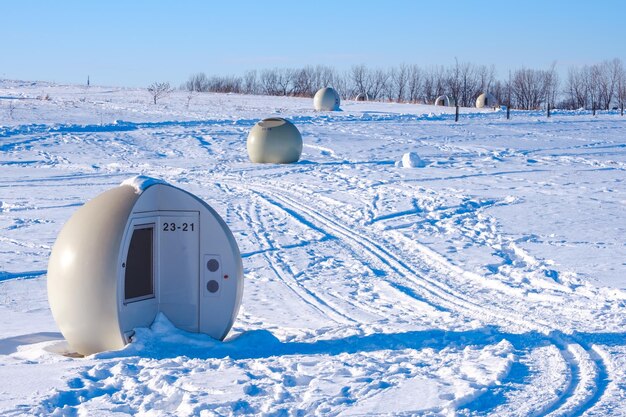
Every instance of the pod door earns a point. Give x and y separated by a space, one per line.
178 267
139 282
140 274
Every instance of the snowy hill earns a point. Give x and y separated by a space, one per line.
484 275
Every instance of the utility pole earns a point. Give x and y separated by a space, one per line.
456 113
88 81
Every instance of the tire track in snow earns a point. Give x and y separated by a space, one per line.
588 370
433 289
373 311
282 270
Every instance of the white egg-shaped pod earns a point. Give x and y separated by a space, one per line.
134 251
326 99
274 140
82 272
486 100
445 100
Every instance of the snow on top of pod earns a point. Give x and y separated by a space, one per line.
141 182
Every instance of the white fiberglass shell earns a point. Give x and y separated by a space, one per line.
486 100
130 253
445 100
274 140
326 99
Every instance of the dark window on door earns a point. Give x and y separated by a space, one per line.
139 276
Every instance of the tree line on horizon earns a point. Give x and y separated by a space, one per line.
594 87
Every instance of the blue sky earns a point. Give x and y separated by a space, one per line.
134 43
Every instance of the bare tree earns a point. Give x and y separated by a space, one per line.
197 82
433 85
500 91
464 81
359 78
159 90
621 89
269 82
608 81
605 89
323 76
388 92
551 85
343 85
532 88
250 85
302 81
414 84
283 81
486 77
399 81
378 82
224 84
591 75
575 89
595 86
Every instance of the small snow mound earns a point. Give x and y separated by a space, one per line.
140 183
164 340
411 160
509 199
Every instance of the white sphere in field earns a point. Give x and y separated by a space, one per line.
274 140
326 99
486 100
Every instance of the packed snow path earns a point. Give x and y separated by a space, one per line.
487 282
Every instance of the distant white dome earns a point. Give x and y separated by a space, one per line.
361 97
274 140
326 99
486 100
445 101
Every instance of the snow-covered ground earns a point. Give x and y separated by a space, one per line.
407 265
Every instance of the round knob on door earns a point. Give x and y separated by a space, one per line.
212 286
212 265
